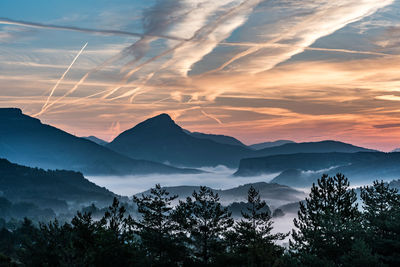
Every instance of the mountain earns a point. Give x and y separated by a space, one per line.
236 209
274 194
20 183
396 150
161 139
222 139
312 147
25 140
96 140
304 168
270 144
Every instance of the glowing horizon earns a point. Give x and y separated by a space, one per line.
255 70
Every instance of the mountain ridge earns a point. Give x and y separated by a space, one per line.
160 139
268 144
51 148
302 169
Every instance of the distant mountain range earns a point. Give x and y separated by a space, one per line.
304 168
25 140
152 146
270 144
96 140
274 194
161 139
222 139
48 188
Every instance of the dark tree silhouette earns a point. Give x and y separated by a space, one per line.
255 244
328 222
205 221
156 227
382 221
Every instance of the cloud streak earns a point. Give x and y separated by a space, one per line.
233 60
211 117
297 30
44 108
277 45
8 21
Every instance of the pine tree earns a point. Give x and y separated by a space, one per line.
382 221
327 223
114 243
50 246
84 238
255 244
156 226
205 221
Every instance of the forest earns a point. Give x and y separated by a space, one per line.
332 229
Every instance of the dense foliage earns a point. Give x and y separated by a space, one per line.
331 230
47 189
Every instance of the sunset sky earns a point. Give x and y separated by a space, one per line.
305 70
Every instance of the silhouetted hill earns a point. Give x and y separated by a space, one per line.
25 140
274 194
312 147
267 191
161 139
52 187
291 207
270 144
222 139
96 140
236 209
304 168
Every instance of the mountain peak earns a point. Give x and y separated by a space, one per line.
162 117
159 125
163 121
10 112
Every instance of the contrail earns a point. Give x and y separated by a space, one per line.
199 35
211 117
59 80
308 48
289 32
83 79
80 99
66 94
79 29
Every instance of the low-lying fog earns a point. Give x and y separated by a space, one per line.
219 177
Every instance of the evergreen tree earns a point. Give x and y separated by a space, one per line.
360 255
115 242
84 239
327 223
205 221
382 221
156 227
255 244
49 246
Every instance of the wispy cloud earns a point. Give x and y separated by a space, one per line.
256 69
299 27
8 21
44 108
211 117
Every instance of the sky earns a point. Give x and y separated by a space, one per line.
258 70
